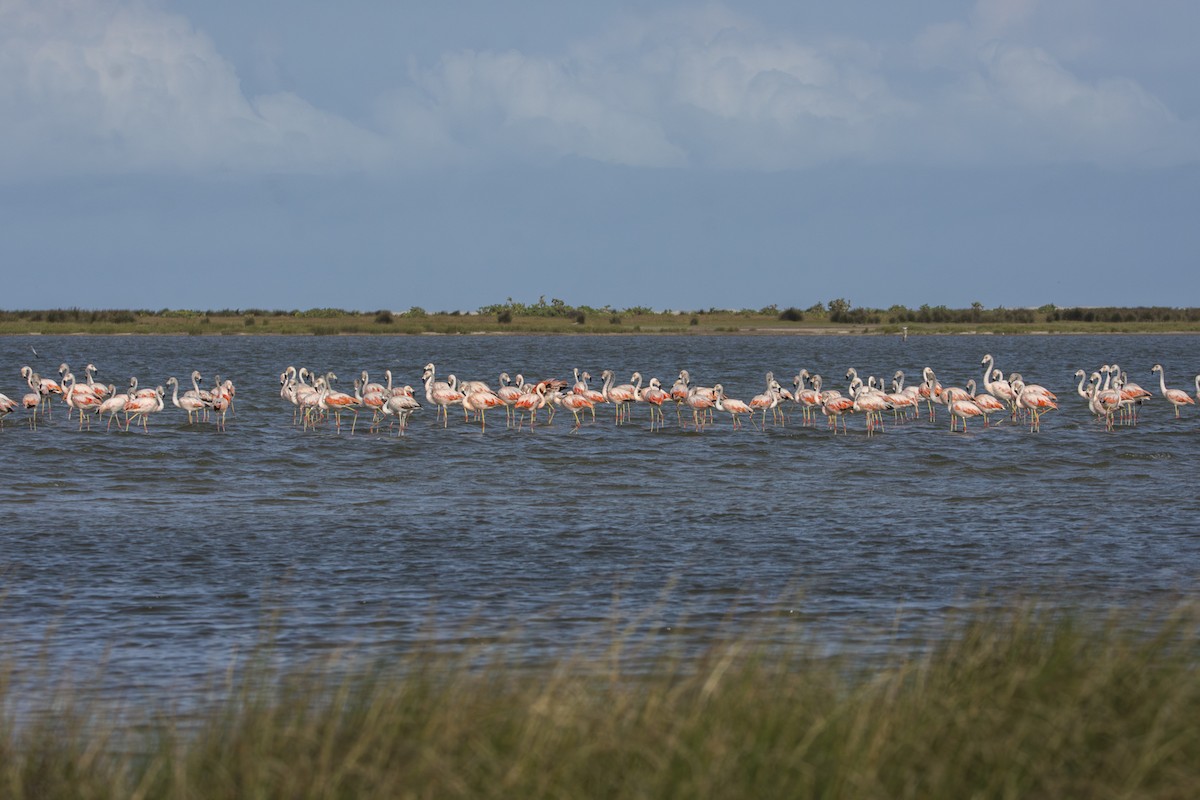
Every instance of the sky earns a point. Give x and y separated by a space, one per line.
295 154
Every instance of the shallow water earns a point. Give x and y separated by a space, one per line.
164 555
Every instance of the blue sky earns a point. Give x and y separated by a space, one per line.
363 155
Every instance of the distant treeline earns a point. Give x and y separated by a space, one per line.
838 311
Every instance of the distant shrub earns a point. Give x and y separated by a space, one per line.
383 317
614 320
579 317
791 315
248 322
694 320
504 317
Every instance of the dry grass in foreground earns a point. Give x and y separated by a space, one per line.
1020 704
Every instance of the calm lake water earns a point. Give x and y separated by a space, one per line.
164 555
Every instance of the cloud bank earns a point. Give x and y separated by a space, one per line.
112 87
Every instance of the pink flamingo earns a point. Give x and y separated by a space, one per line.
699 401
143 407
834 406
83 400
963 409
402 404
192 405
987 403
735 408
769 400
1033 401
1176 397
114 404
576 402
7 406
442 394
655 396
478 402
329 400
809 399
622 396
509 394
531 400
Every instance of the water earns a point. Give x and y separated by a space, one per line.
163 556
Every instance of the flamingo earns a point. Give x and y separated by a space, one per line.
337 402
143 407
509 394
679 391
192 405
442 394
1097 405
479 401
531 400
115 404
7 406
1033 401
45 387
594 397
930 390
402 404
809 399
963 409
698 400
735 408
997 386
83 400
576 402
655 396
769 400
987 403
98 389
621 396
1176 397
834 406
872 403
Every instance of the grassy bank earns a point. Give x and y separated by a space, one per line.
568 320
1019 705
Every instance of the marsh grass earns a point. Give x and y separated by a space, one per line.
326 322
1017 704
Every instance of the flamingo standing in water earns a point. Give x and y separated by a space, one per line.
142 407
699 402
402 404
479 401
1176 397
986 402
115 404
442 394
32 400
1034 401
7 406
509 394
735 408
655 396
337 402
192 405
576 402
962 408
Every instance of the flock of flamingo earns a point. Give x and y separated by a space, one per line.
1109 393
91 399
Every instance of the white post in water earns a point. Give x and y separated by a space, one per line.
904 334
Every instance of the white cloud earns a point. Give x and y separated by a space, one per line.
116 86
106 86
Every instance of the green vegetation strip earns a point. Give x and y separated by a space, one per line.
837 316
1005 704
